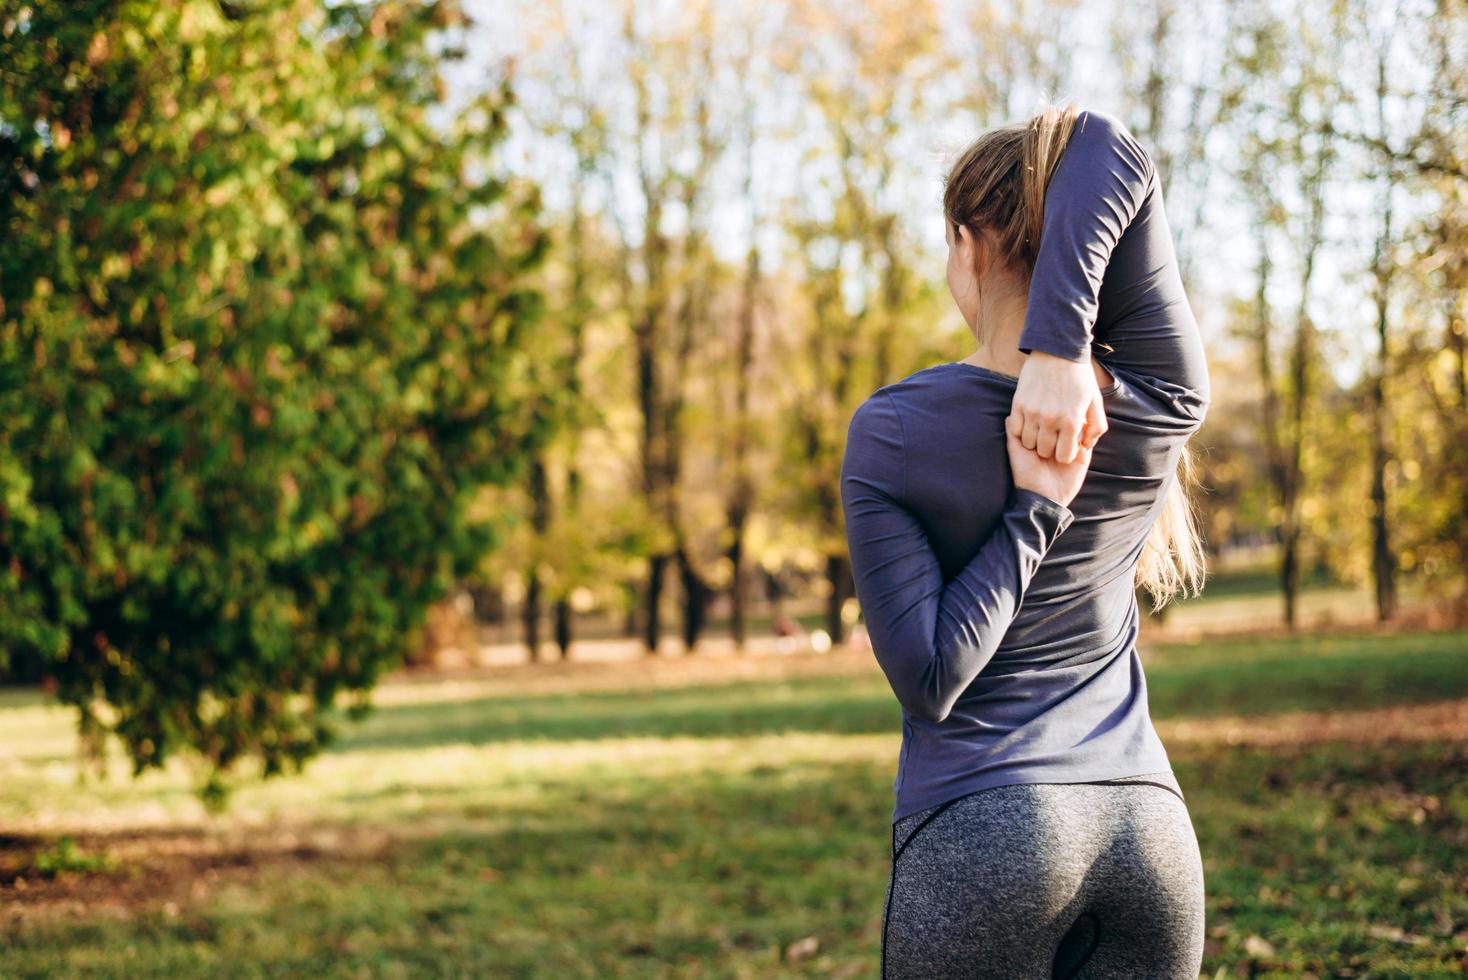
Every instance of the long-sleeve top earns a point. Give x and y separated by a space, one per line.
1006 623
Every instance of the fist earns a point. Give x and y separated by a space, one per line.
1049 477
1058 405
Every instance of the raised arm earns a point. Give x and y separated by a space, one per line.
1101 186
931 639
1096 190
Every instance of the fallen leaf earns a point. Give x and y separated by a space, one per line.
802 949
1258 946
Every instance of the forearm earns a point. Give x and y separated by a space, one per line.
970 615
931 637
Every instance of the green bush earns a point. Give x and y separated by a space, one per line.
261 323
64 857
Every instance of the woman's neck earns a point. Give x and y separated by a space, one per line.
1002 323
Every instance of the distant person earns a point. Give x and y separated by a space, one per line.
1001 512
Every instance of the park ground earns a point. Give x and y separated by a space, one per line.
724 816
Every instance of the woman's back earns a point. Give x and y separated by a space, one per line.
1007 623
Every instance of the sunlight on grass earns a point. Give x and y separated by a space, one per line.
649 829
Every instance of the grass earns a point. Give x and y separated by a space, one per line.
629 826
1248 598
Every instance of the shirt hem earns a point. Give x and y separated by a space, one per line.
991 780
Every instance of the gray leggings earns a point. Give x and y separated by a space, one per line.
1047 880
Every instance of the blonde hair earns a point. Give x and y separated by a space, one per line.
1173 558
998 184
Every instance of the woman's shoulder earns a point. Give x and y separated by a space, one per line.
949 376
910 407
941 405
943 387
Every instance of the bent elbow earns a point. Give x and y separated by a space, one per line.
937 714
1198 409
929 707
916 674
927 711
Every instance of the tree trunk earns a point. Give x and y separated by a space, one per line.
741 494
530 615
1273 442
838 575
737 589
489 603
1302 357
652 622
696 597
1383 561
540 522
629 621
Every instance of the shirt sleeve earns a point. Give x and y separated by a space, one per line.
1104 181
1097 189
931 638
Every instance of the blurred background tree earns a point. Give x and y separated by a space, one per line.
261 345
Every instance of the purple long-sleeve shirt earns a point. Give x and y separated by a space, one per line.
1005 622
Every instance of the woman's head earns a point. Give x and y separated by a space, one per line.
994 206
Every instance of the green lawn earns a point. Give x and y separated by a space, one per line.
469 828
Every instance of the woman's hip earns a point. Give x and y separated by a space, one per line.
1006 874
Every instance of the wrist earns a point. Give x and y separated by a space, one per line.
1052 348
1036 501
1031 495
1051 359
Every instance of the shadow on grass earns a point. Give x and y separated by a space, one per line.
1260 677
837 705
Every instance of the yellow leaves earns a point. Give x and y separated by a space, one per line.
196 21
219 194
183 350
97 291
99 49
379 23
115 266
289 490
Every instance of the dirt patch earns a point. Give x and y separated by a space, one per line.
1428 615
1438 721
167 869
622 666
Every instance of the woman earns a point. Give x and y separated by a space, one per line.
996 544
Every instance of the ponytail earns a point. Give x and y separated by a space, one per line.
1045 140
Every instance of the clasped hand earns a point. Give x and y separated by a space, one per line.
1055 420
